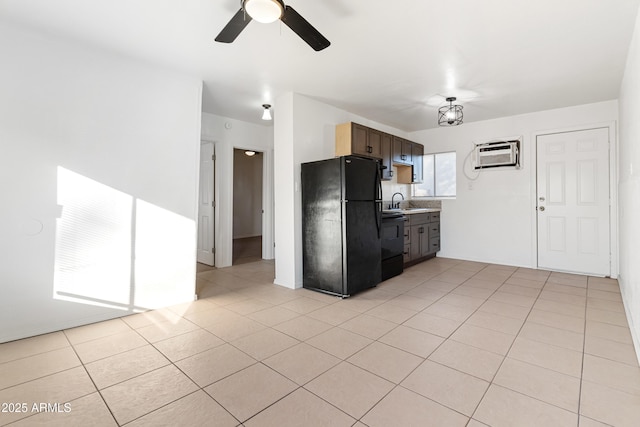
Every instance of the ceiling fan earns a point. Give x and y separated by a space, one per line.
267 11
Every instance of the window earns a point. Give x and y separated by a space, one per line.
439 176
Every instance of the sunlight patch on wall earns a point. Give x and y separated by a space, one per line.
93 242
116 251
163 238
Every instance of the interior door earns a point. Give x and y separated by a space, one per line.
206 208
573 201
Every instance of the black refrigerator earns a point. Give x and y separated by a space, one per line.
341 224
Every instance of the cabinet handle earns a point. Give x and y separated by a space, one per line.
369 149
391 174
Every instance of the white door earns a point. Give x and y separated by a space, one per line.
573 201
206 230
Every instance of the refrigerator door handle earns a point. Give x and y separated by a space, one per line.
378 213
378 184
378 204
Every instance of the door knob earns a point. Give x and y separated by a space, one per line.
541 208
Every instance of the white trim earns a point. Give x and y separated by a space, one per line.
613 188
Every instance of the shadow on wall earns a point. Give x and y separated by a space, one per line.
112 250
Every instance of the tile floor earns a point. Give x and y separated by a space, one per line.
448 343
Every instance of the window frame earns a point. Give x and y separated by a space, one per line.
432 177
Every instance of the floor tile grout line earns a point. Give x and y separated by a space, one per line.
345 360
508 351
45 376
445 339
95 386
584 343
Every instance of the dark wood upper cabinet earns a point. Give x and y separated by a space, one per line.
359 139
375 143
413 174
352 138
355 139
401 150
387 153
417 151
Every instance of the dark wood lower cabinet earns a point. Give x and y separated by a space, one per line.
424 237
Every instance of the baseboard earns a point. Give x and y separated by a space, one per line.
634 326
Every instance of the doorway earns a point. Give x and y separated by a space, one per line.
573 201
247 206
206 205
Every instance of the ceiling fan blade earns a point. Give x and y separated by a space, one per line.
306 31
234 27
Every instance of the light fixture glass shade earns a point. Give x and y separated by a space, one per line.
450 115
264 11
250 153
266 115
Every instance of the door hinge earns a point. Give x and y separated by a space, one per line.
213 204
213 157
213 250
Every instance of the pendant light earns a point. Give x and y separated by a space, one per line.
266 115
450 115
265 11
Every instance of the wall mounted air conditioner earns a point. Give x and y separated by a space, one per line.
497 154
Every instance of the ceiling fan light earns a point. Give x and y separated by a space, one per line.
265 11
450 115
266 114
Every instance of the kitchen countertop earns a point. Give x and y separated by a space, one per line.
411 211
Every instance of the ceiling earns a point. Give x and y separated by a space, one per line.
393 62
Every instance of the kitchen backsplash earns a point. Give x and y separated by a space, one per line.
389 188
422 203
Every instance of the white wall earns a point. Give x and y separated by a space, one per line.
304 131
493 218
247 194
98 180
629 186
228 134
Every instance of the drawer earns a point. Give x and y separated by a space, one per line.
406 254
434 217
434 229
434 244
421 218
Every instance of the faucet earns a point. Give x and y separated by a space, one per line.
396 205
